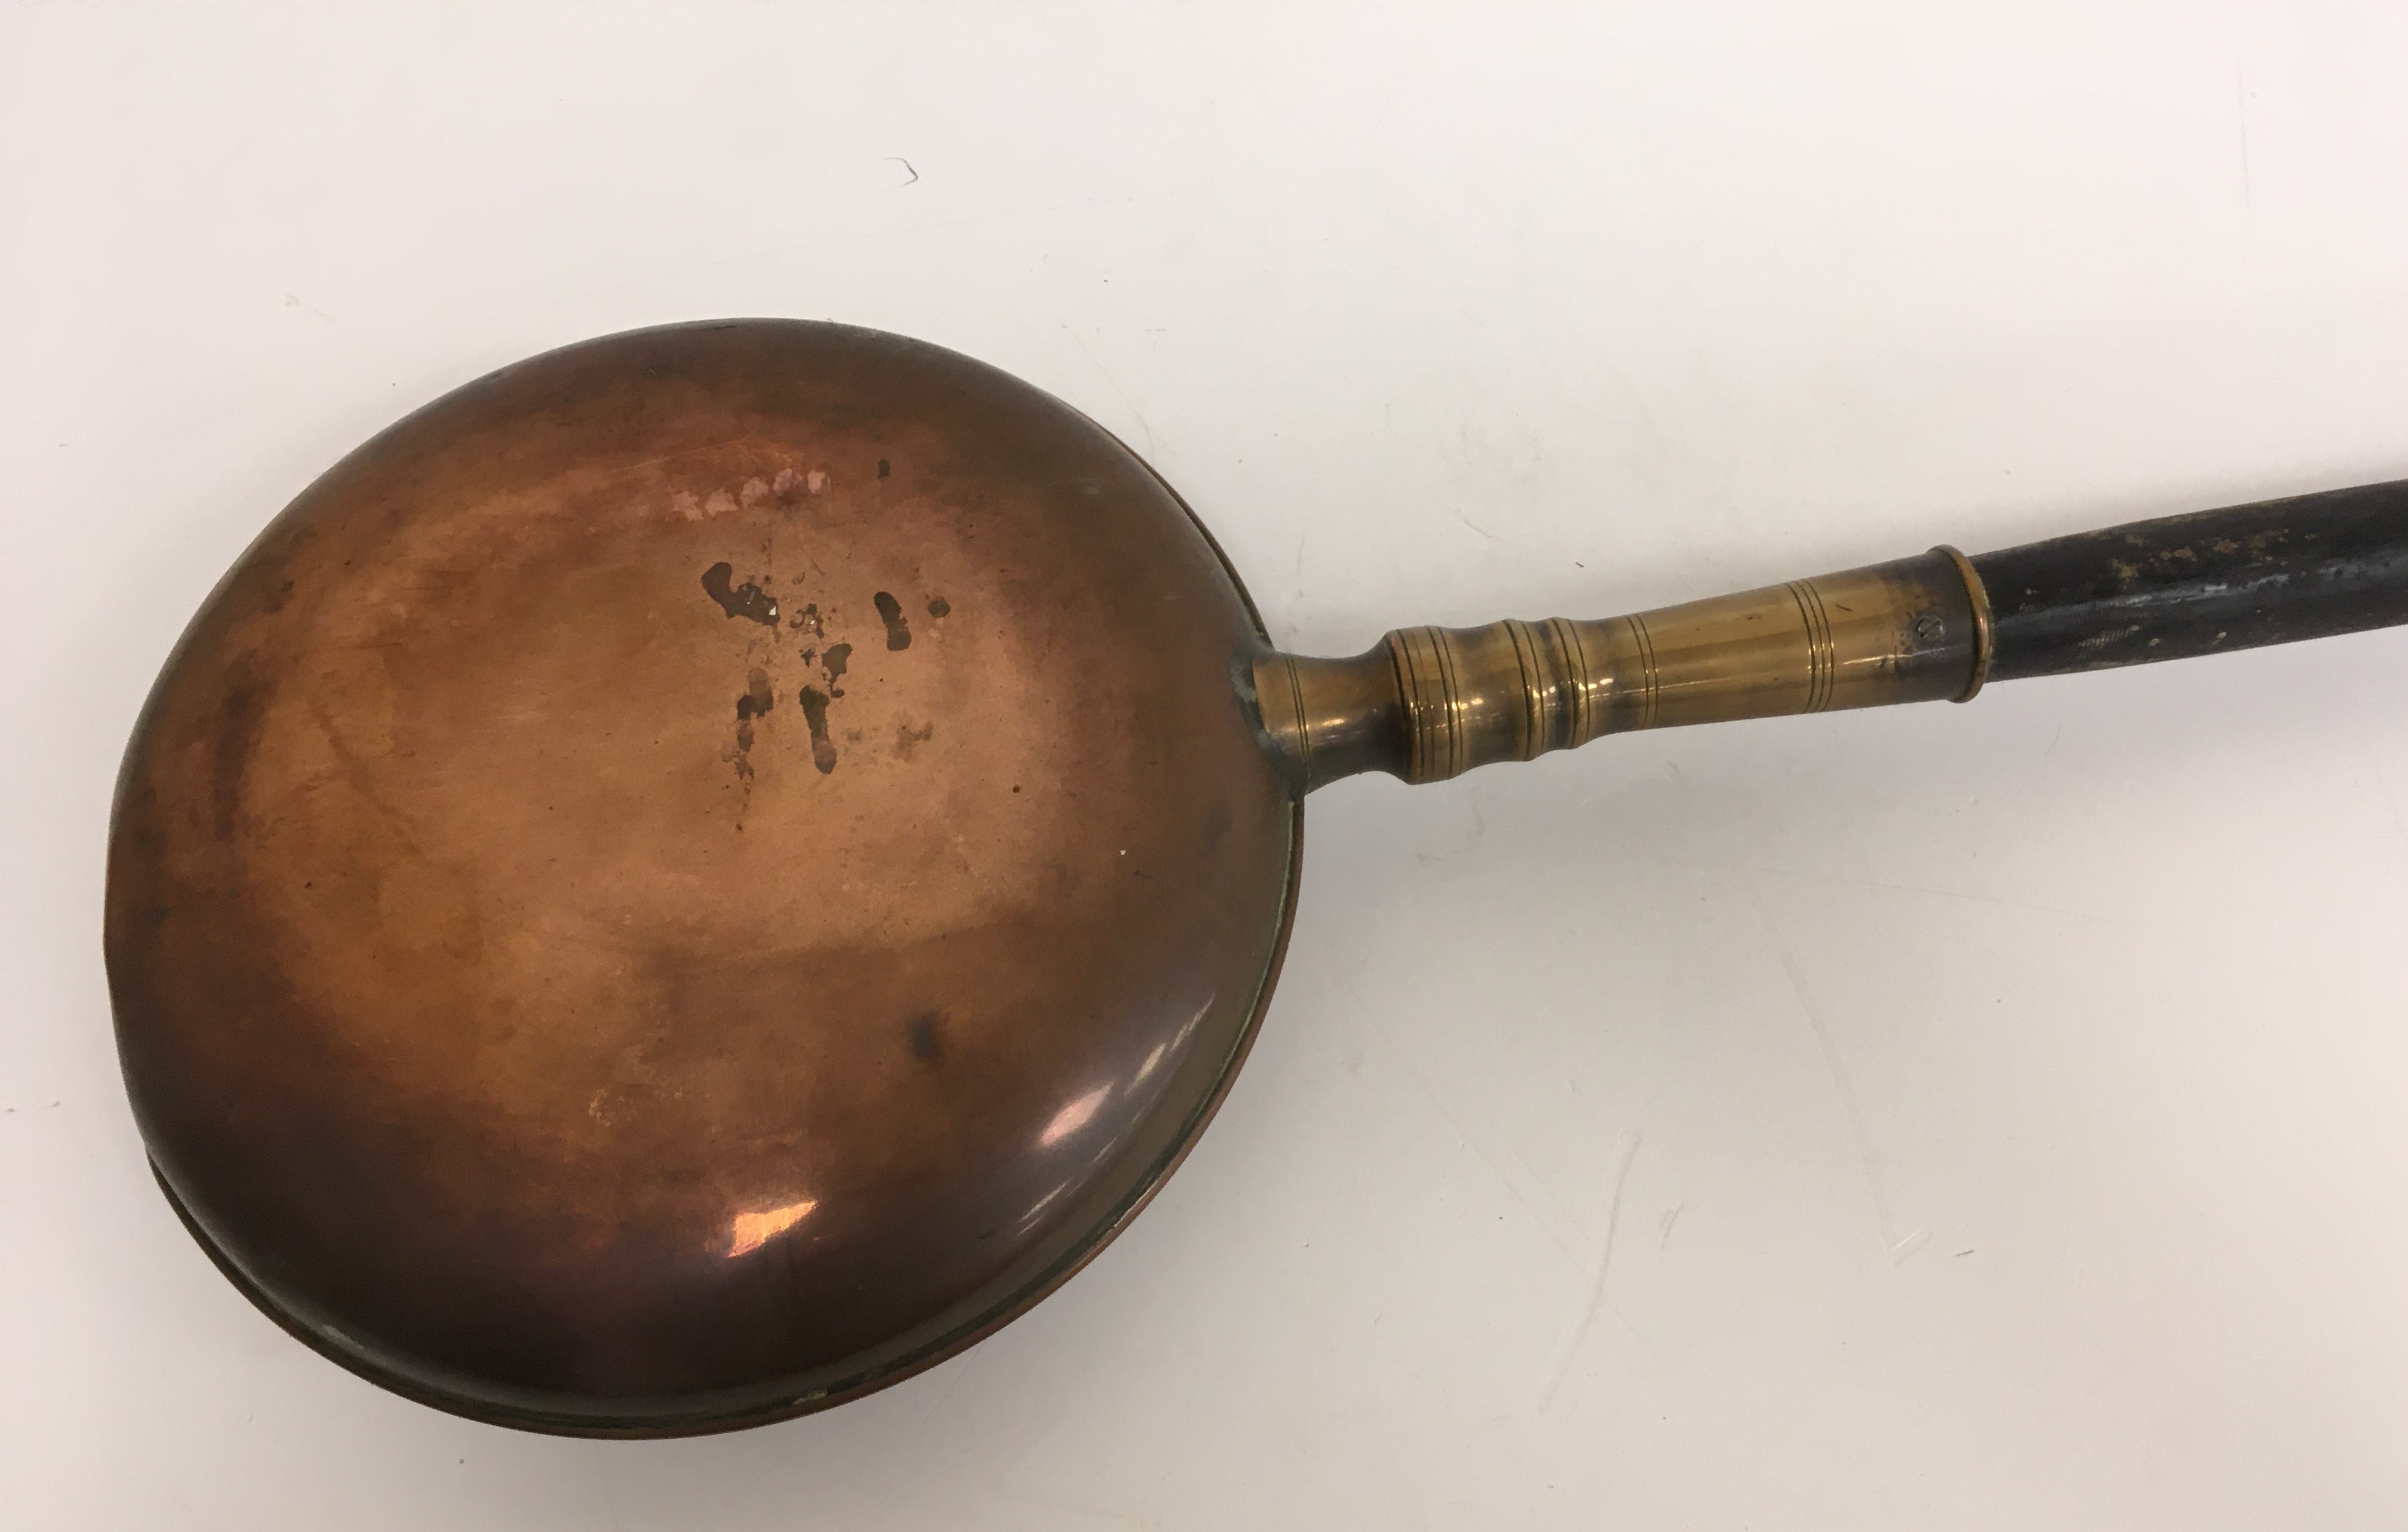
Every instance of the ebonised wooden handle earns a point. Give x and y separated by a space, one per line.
2306 567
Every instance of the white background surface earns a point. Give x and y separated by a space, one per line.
1981 1117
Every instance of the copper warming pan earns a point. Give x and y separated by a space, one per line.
701 873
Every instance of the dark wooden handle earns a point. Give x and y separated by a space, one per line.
2306 567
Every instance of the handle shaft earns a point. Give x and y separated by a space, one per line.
1428 703
2306 567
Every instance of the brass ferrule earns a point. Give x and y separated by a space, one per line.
1431 703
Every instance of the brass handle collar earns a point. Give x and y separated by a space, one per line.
1983 643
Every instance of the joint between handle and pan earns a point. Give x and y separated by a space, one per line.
1978 596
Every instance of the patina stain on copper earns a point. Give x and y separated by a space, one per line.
583 955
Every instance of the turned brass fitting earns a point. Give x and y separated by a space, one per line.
1429 703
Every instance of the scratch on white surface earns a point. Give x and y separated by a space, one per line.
1525 1188
1671 1216
1899 1249
1062 1510
609 1500
960 1369
786 249
1571 1347
2381 792
1139 415
2091 916
2240 103
1620 786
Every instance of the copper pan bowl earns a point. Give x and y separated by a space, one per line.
694 877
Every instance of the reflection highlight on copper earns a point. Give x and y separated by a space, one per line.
1172 1043
1076 1114
749 1232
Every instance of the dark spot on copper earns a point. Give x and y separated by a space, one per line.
884 468
240 714
908 739
757 699
810 618
747 600
939 607
837 658
890 612
927 1033
815 706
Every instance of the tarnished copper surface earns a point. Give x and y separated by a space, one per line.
693 876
